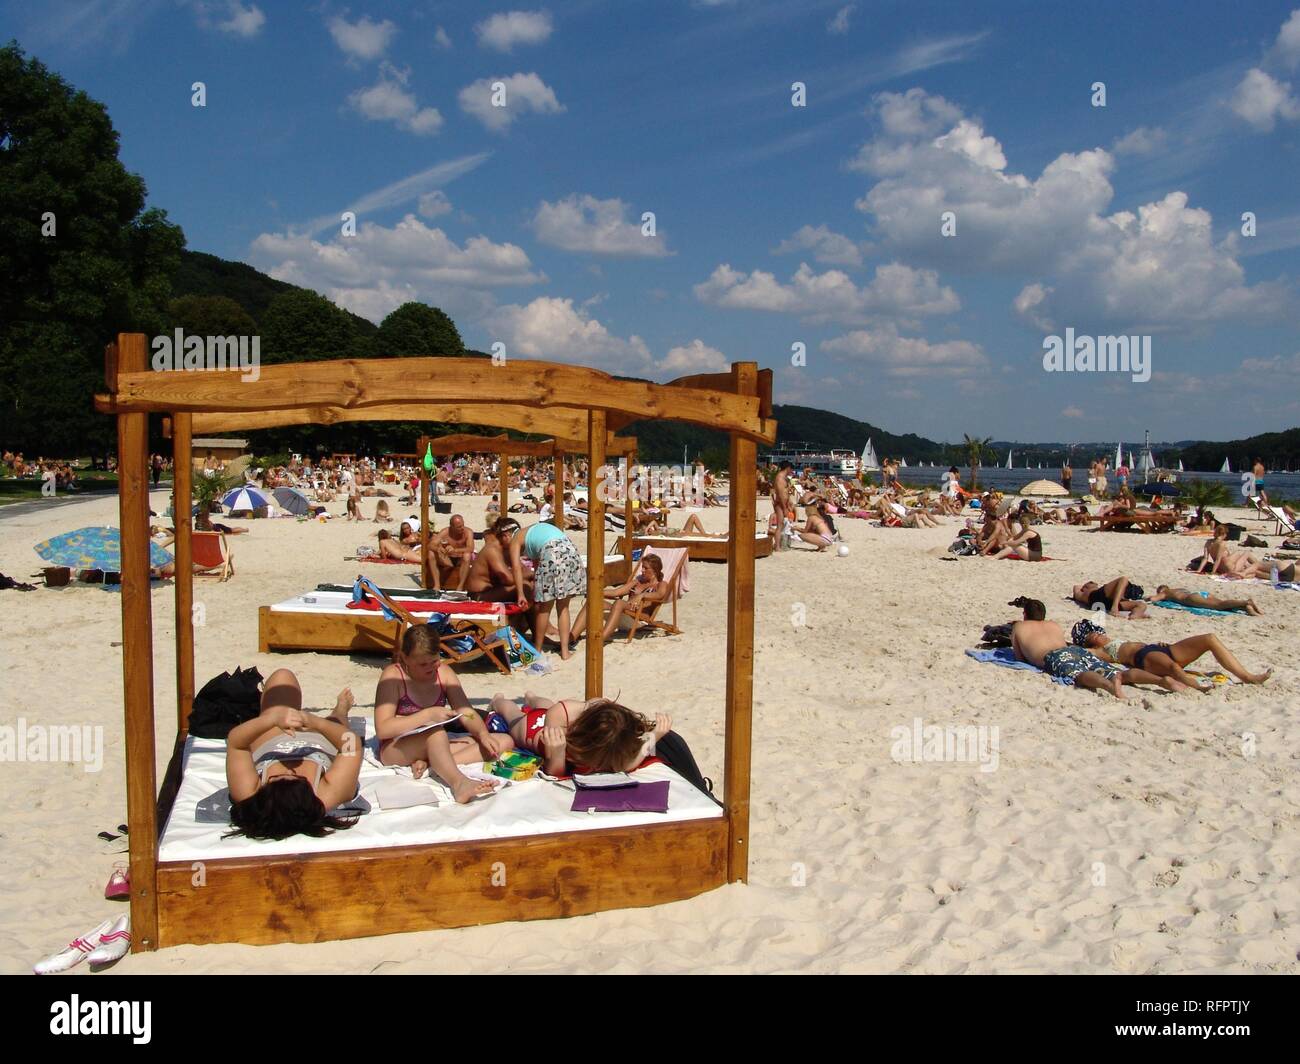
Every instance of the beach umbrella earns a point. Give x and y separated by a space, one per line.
1159 488
93 548
292 501
1043 487
245 498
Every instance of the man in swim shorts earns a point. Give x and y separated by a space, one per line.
1043 644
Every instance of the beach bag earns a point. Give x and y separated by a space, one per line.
520 654
224 702
449 635
1235 531
1254 541
964 547
673 752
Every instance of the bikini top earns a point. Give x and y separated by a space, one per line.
1112 649
406 705
304 746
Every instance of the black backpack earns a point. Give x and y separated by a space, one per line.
225 702
673 752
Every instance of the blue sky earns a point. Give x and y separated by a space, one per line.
775 224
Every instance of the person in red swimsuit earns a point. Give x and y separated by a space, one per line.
591 736
420 690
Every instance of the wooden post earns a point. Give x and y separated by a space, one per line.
557 489
629 527
183 549
595 554
740 635
426 563
137 653
503 467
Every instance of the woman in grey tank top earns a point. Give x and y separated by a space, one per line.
287 768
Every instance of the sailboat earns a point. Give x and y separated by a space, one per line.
1130 459
1180 466
869 460
1119 456
1226 467
902 463
1009 460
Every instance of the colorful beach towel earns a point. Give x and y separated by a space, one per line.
1006 657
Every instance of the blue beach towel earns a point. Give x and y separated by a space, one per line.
1203 611
1006 657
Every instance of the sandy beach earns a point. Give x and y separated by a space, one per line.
1156 834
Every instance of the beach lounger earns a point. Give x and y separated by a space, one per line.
1285 526
1141 520
461 642
674 559
211 554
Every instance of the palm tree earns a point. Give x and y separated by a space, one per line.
207 491
1203 494
975 448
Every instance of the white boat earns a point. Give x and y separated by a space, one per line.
1130 460
824 462
870 463
1119 456
1226 467
1009 466
902 463
1180 465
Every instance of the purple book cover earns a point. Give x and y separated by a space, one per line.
643 798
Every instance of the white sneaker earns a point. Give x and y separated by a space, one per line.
77 951
113 944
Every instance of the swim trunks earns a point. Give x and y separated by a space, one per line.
1068 663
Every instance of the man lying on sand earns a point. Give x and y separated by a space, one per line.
1120 595
1043 644
1163 659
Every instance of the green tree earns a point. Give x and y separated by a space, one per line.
209 316
415 329
81 260
1203 494
975 450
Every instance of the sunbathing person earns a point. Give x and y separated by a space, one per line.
1164 659
389 547
1264 571
382 516
1023 542
287 768
1043 644
417 690
1078 515
453 554
1118 595
645 588
693 527
818 530
491 578
1204 600
595 736
408 533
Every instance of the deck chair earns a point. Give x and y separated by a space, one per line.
1285 526
674 559
211 555
459 641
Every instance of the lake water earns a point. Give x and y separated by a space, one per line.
1278 485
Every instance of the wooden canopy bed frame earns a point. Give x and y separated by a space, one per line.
335 895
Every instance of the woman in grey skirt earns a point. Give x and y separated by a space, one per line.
559 574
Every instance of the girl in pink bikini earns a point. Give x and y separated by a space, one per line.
418 690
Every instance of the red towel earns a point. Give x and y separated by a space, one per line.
438 606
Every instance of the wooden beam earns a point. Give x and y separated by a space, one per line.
359 893
628 527
361 383
137 652
426 563
557 490
503 478
183 549
740 635
595 646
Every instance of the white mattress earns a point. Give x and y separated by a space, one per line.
533 807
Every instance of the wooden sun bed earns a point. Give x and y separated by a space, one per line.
702 548
1140 520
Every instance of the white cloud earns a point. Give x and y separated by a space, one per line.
554 329
695 357
827 246
441 39
363 39
1072 411
410 260
505 30
839 24
435 203
1158 268
1288 41
231 16
1261 100
894 291
1140 141
587 224
523 93
389 101
910 356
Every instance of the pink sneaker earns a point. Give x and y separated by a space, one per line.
113 944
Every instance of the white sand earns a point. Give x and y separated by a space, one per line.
930 867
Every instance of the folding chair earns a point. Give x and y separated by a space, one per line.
674 559
211 555
451 643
